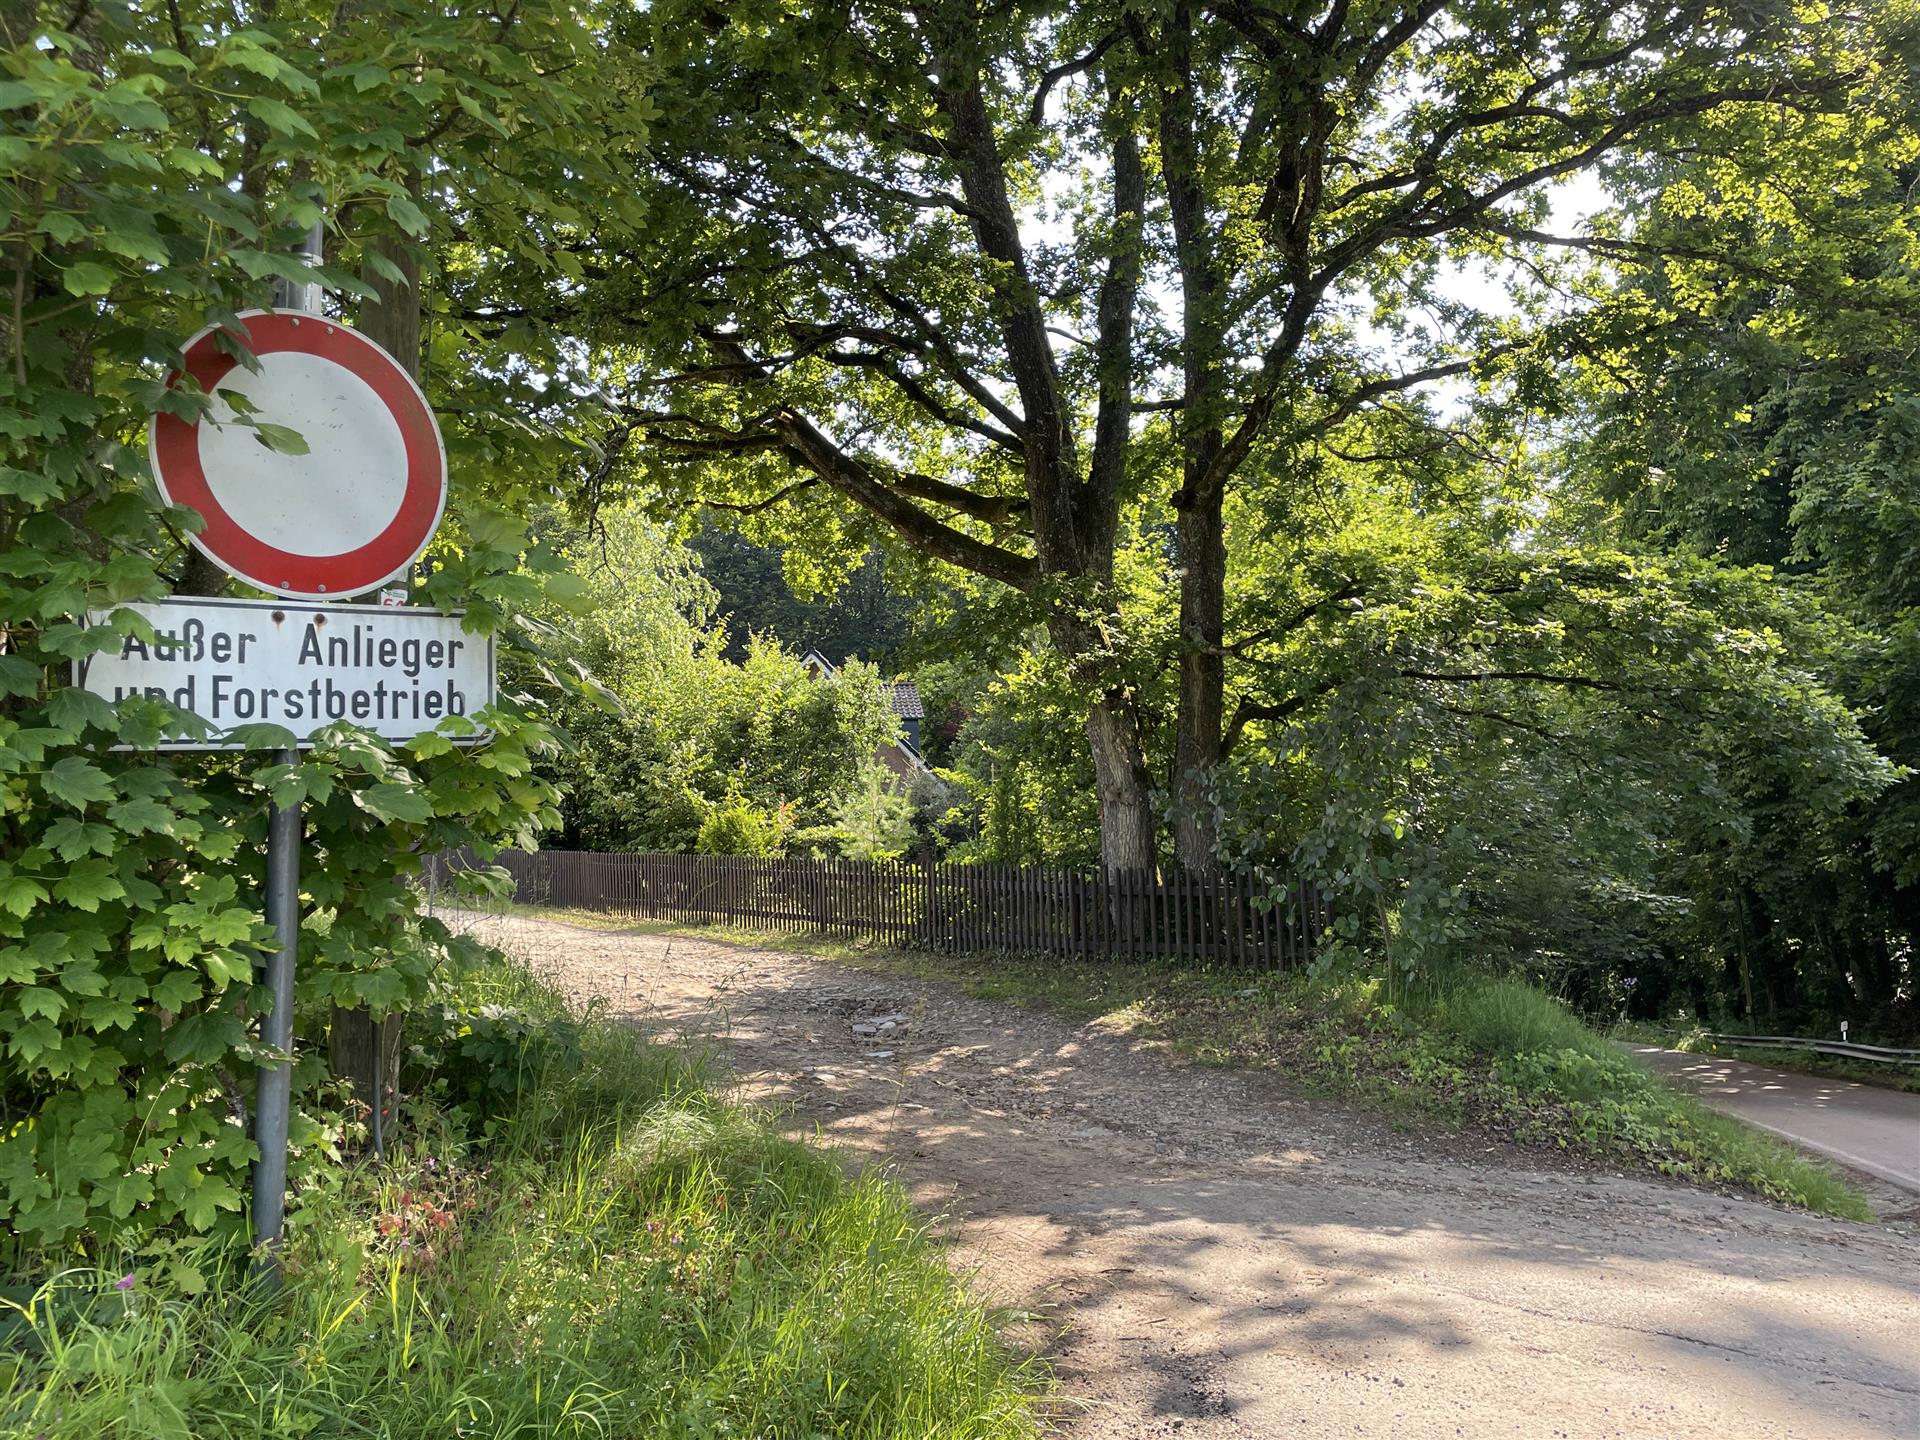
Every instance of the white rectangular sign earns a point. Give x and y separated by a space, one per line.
395 672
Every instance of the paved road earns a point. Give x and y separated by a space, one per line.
1871 1129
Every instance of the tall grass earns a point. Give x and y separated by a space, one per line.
1602 1099
629 1256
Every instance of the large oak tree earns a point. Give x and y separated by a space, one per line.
987 275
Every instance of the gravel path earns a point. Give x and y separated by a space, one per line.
1206 1255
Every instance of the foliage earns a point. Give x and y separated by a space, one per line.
1775 424
875 817
156 164
857 614
627 1255
1224 364
1009 288
482 1061
687 730
737 828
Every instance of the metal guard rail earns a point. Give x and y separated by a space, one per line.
1847 1049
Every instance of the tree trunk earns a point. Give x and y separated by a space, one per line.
1202 718
359 1049
1120 775
366 1054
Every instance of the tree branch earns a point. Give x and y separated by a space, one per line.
1119 297
850 478
1037 108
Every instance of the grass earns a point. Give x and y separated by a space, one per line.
1458 1052
623 1254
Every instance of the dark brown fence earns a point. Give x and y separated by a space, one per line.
1226 920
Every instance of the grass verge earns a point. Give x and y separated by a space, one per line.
1460 1052
591 1243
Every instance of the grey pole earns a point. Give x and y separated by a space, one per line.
273 1100
289 296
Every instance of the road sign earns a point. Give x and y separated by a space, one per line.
395 672
353 512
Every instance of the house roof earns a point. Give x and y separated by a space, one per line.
905 698
902 695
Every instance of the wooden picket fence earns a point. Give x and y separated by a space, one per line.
1224 920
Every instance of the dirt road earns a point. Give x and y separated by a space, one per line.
1870 1129
1210 1256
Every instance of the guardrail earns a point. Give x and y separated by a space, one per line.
1847 1049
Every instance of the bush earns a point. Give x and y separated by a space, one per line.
737 828
486 1060
875 818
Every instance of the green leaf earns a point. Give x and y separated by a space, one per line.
280 117
143 815
395 802
280 438
40 1000
73 710
496 531
262 737
88 277
76 782
176 990
20 893
18 677
88 885
206 1200
407 215
71 839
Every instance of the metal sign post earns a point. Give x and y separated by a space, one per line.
273 1100
346 509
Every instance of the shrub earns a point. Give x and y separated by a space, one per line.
736 828
483 1061
875 818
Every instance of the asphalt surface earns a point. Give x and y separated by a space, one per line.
1863 1126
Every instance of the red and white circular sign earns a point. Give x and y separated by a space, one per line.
352 513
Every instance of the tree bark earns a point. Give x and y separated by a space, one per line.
1200 728
361 1050
1120 776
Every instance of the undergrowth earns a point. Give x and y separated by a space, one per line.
1461 1051
581 1238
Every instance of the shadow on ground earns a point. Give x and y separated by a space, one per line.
1207 1254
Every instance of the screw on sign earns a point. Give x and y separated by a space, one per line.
353 512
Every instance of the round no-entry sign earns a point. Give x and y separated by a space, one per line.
351 513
